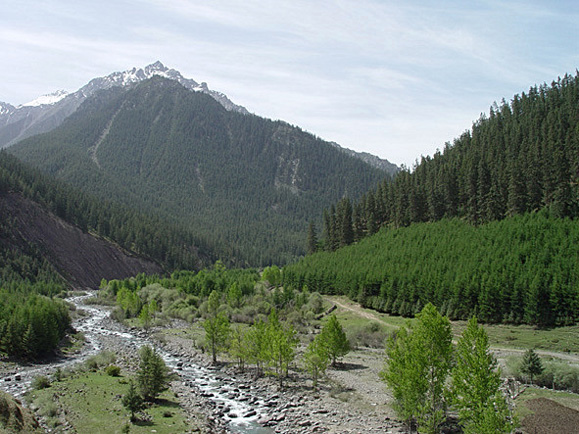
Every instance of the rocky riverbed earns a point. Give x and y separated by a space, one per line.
221 399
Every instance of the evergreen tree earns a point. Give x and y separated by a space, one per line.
153 375
312 242
531 364
333 339
132 401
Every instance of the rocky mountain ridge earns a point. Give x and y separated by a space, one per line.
48 111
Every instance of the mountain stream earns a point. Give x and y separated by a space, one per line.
234 402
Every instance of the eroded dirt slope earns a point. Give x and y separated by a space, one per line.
81 258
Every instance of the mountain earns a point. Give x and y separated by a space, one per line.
81 258
247 185
48 111
385 165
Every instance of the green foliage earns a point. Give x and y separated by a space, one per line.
520 269
217 331
140 232
216 326
417 366
31 325
531 364
316 359
272 275
40 382
132 401
113 370
520 158
153 375
238 348
281 345
475 384
333 339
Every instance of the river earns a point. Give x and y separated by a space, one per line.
234 402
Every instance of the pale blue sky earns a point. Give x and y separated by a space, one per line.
394 78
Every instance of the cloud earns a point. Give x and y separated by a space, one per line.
394 78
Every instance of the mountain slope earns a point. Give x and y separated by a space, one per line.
488 227
246 183
51 233
47 112
522 157
79 257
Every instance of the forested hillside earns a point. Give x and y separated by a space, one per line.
522 269
504 195
245 184
522 157
144 235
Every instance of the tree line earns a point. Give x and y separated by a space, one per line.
31 325
150 236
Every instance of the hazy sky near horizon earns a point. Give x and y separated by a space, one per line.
397 79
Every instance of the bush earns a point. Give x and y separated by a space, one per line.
557 374
370 335
113 370
40 382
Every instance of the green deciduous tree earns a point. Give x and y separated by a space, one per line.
482 408
334 340
417 366
217 327
316 359
281 345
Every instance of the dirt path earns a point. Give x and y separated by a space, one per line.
358 310
500 352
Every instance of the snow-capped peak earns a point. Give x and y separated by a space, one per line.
51 98
136 75
5 108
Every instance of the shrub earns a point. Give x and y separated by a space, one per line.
113 370
40 382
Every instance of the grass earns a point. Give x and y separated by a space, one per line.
559 339
84 398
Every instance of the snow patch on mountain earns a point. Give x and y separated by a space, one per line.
6 108
50 99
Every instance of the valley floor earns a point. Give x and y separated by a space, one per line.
351 399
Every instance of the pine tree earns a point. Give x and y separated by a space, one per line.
132 401
531 364
312 242
334 340
153 375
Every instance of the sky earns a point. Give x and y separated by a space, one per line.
397 79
